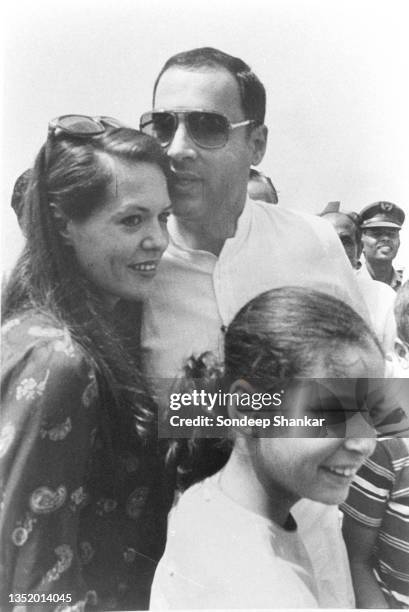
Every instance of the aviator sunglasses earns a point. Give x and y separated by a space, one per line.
207 129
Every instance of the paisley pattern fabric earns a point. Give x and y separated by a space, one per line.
77 516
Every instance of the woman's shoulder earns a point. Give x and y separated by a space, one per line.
24 319
36 342
33 329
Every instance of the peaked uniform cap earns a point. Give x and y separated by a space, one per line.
382 214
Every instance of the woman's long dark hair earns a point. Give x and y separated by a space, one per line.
74 174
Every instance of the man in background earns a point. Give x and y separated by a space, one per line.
378 297
380 224
17 198
260 187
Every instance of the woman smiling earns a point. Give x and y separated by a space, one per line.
84 500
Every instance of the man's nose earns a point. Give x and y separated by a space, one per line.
386 233
181 147
156 238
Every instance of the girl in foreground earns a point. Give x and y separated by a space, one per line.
232 541
83 500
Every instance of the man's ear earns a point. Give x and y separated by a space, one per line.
239 394
258 140
62 222
402 353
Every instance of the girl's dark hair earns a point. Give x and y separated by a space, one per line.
74 174
277 337
402 312
282 332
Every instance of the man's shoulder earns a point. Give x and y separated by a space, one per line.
290 218
396 278
280 212
383 290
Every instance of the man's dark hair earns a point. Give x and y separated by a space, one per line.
252 91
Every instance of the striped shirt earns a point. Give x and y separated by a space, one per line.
379 498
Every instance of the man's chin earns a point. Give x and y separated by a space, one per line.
387 257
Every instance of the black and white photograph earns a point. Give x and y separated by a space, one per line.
205 305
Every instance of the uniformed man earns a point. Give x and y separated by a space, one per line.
380 224
378 297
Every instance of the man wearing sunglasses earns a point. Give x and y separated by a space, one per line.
208 113
378 297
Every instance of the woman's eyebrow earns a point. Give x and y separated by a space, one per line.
134 206
137 208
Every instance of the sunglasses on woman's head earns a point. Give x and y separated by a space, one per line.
207 129
82 126
78 126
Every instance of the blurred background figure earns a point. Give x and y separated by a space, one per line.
375 526
402 318
398 359
380 224
379 298
17 204
17 198
260 187
347 227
